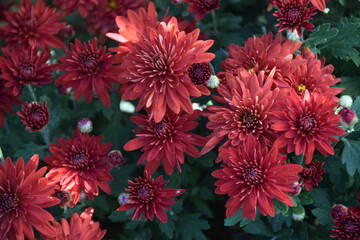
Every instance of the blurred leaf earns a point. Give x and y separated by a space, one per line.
305 198
167 228
323 215
351 155
189 227
258 227
321 34
28 150
119 216
234 219
351 85
320 197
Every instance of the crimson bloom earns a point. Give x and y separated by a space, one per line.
202 7
294 15
7 98
23 66
306 123
79 228
165 141
311 175
34 115
252 176
156 67
83 6
347 227
33 26
24 192
89 69
149 198
247 105
80 164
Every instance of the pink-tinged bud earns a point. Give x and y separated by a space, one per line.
85 125
66 32
296 189
115 158
64 197
348 117
64 91
346 101
338 211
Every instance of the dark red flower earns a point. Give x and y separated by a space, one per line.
311 175
200 73
80 164
294 15
23 66
63 196
347 227
202 7
34 115
115 158
79 228
306 123
166 141
83 6
149 198
252 176
3 8
24 192
339 211
7 99
88 69
348 117
155 69
33 26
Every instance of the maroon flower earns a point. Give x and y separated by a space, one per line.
311 175
115 158
294 15
89 69
202 7
347 227
83 6
33 26
3 8
200 73
339 211
149 198
63 196
34 115
23 66
7 98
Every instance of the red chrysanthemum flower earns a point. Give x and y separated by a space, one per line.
311 175
83 6
156 68
33 26
202 7
200 73
24 192
252 176
23 66
348 226
312 75
7 99
34 115
149 198
306 123
294 15
80 164
264 54
247 105
80 228
166 141
89 69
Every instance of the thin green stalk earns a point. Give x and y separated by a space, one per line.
215 25
2 157
32 92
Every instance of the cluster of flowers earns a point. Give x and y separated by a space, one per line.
270 102
346 221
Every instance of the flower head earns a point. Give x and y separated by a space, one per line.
202 7
149 198
80 164
7 98
23 66
83 6
156 68
24 192
200 73
79 228
311 175
165 141
252 176
347 227
339 211
34 115
115 158
294 15
88 69
306 123
33 26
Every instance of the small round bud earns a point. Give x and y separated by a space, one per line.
326 10
293 36
348 118
64 197
85 125
123 198
346 101
338 211
296 189
213 82
298 213
115 158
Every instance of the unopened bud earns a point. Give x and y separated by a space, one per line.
338 211
326 10
346 101
298 213
115 158
296 189
213 82
348 118
85 125
293 36
123 198
64 197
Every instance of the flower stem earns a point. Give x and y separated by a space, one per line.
215 25
32 92
2 157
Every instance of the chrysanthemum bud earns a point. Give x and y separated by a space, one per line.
123 198
293 36
348 118
85 125
64 197
298 213
326 10
346 101
213 82
338 211
115 158
296 189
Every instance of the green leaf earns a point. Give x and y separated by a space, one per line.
189 227
119 216
351 156
258 227
323 215
167 228
234 219
320 35
28 150
351 85
305 198
282 207
320 197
